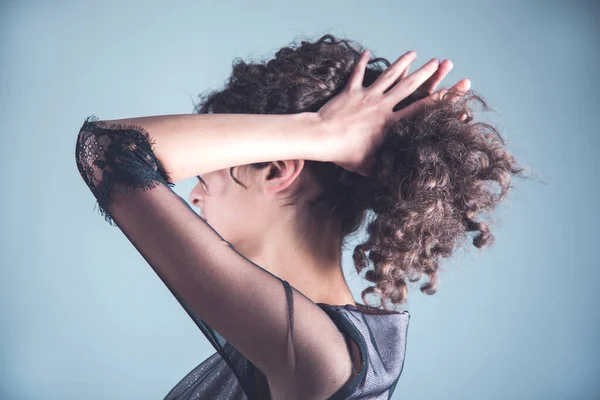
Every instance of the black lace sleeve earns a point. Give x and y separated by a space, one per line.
279 330
121 155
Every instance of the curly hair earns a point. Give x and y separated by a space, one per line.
430 176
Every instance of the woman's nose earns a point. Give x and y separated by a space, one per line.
196 199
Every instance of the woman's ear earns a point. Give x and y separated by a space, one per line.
280 175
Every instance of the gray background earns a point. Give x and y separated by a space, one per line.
84 317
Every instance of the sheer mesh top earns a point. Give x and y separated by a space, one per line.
271 340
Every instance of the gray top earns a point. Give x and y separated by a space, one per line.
380 336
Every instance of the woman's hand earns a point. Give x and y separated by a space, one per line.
358 116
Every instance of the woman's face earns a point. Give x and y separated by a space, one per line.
226 206
242 215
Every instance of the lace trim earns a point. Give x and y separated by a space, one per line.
117 154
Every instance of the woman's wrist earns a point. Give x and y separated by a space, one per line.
322 143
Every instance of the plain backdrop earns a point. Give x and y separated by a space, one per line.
84 317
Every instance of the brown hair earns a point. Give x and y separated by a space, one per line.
431 175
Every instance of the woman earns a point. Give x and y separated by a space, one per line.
318 137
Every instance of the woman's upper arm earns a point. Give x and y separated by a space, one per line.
286 335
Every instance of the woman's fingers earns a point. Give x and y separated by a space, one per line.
358 74
460 87
412 82
402 75
390 75
463 85
443 69
427 88
405 72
